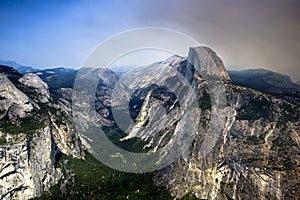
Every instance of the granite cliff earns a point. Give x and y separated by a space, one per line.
34 133
255 154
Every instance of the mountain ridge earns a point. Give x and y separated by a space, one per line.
21 68
237 76
269 82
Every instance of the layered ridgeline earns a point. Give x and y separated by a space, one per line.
254 156
269 82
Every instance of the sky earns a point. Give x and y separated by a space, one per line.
244 33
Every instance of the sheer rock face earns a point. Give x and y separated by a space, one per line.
28 168
255 157
35 83
28 165
13 103
108 77
207 62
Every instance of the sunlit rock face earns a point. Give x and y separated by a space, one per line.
36 129
28 168
28 162
35 83
13 103
34 132
255 154
207 62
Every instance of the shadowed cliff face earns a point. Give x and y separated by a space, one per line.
268 82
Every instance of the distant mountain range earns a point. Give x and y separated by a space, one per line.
269 82
262 80
53 77
21 68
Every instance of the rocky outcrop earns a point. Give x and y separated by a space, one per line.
28 164
34 83
91 99
207 62
28 168
108 77
31 148
34 132
13 103
65 135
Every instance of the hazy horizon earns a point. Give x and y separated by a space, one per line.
245 34
118 66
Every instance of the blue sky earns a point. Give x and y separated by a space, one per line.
245 34
53 33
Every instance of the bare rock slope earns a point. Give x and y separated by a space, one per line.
254 153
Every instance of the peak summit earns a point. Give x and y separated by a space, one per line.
207 62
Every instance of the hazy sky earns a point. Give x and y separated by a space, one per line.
245 33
